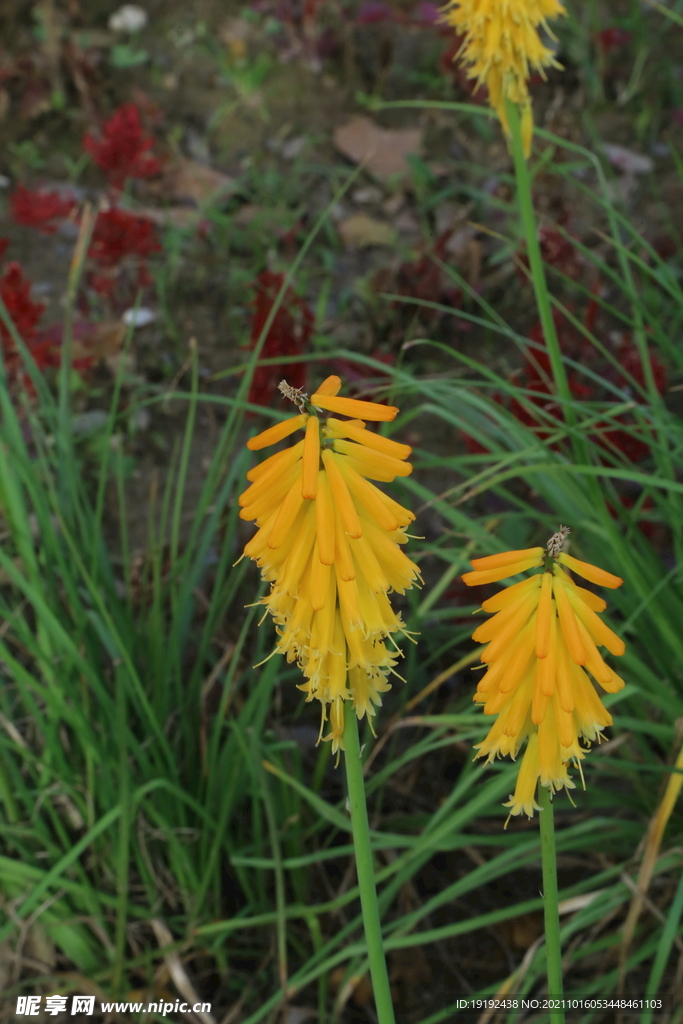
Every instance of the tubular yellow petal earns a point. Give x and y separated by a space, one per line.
549 755
478 578
546 613
615 684
320 580
524 798
518 709
269 482
594 662
521 656
594 601
366 559
511 594
353 408
547 667
591 572
340 428
324 512
271 496
286 516
506 558
566 730
381 475
489 681
376 465
336 734
338 673
564 692
539 700
299 555
370 497
276 463
510 628
277 433
569 624
349 609
495 740
491 629
340 493
330 386
324 621
398 568
403 515
598 630
259 542
298 622
590 712
311 459
343 562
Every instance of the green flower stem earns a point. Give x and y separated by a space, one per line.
364 867
550 910
526 209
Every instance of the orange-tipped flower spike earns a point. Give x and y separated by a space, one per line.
542 657
329 543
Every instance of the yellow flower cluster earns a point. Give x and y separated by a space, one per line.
501 45
328 542
542 650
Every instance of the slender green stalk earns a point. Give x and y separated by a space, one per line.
364 867
550 911
538 279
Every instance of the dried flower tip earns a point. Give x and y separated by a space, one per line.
295 395
556 542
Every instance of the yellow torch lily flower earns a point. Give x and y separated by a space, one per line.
328 541
501 46
541 655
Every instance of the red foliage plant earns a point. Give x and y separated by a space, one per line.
15 291
288 335
123 151
118 234
39 209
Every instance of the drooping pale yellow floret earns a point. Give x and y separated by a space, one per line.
328 541
541 655
502 46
